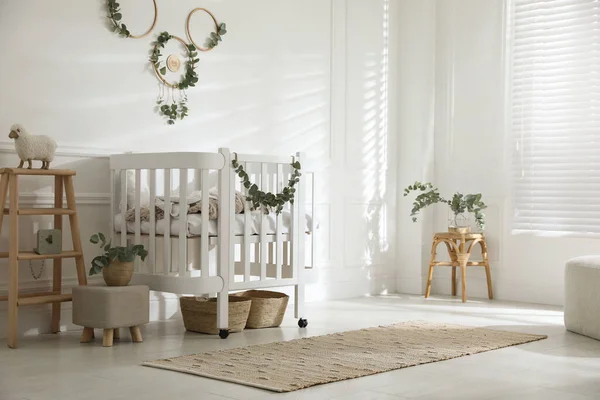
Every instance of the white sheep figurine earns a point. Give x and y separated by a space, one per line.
32 147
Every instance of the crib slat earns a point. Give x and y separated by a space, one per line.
225 263
123 207
152 244
167 223
112 206
138 220
264 183
294 229
183 178
230 221
286 251
204 214
313 236
299 244
279 239
247 233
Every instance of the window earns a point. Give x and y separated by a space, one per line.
555 124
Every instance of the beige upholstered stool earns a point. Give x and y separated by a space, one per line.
582 298
110 308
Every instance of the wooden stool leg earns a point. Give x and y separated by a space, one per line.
13 264
57 263
76 235
452 255
463 258
488 273
463 270
117 333
454 280
136 334
87 335
107 340
429 279
431 266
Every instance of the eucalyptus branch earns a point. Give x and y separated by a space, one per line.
111 254
114 14
458 204
215 37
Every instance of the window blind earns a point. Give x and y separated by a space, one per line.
555 104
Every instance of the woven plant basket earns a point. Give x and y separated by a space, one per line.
267 310
200 314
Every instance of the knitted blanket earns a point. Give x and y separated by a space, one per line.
193 203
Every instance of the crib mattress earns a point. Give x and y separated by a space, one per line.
194 225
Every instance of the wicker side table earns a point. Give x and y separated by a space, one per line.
459 246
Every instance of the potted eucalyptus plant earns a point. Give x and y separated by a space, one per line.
116 264
459 205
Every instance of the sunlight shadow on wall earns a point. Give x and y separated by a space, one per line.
375 152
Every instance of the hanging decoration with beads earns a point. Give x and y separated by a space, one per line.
268 201
172 96
177 107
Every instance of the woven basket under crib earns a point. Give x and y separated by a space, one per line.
267 309
200 313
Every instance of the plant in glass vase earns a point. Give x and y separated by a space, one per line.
459 204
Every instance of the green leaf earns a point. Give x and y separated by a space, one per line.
94 239
163 70
117 17
171 122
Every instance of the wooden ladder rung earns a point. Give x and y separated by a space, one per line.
47 172
32 294
52 298
42 211
30 255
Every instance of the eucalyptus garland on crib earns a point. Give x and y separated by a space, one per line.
266 200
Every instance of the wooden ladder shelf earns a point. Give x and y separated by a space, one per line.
9 185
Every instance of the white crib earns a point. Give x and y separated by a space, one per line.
192 254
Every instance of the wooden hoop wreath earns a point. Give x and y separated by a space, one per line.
153 24
159 75
115 16
187 27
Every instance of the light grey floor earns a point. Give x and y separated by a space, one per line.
565 366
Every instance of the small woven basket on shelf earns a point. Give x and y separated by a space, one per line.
200 313
267 309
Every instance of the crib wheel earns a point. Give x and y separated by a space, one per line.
302 323
223 333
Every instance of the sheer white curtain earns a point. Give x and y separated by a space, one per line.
555 107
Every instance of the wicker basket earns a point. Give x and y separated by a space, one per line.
200 313
267 310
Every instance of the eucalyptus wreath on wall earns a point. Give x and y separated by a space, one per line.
268 201
172 102
178 108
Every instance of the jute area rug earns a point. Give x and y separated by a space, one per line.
301 363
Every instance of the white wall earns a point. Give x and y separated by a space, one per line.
469 153
289 76
416 100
